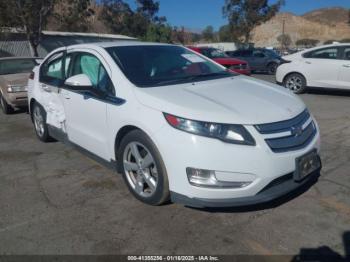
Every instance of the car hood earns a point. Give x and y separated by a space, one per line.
236 100
229 61
15 79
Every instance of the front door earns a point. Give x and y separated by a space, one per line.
321 67
86 112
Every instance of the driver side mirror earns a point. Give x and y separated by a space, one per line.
82 83
79 82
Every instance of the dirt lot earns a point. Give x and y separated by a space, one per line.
53 200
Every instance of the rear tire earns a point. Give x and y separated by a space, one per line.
5 107
296 83
40 126
143 169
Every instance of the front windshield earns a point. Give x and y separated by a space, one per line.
158 65
214 53
16 66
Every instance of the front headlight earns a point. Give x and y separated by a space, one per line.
16 88
235 134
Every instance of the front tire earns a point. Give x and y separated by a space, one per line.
272 68
5 107
39 120
143 169
296 83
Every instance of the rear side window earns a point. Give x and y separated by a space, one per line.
51 71
326 53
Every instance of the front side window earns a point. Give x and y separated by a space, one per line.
16 66
91 66
327 53
160 65
258 54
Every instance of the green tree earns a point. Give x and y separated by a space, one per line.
245 15
159 33
208 33
225 34
120 18
73 15
29 15
284 40
307 42
345 40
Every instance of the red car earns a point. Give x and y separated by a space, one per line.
233 64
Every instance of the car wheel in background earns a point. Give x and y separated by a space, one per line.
39 120
143 168
296 83
272 68
5 107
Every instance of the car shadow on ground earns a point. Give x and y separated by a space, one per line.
325 253
21 110
264 206
328 91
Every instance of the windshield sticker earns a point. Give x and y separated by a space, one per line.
193 58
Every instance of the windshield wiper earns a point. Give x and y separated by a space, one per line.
193 77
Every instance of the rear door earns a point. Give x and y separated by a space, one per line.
321 67
51 79
86 112
344 71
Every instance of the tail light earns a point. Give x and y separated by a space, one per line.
32 75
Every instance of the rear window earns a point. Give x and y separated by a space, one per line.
16 66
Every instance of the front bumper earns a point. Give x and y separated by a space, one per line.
19 99
181 150
277 188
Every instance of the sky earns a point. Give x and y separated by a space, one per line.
197 14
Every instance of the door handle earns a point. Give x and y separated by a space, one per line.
46 88
308 62
347 66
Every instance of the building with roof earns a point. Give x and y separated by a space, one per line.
14 43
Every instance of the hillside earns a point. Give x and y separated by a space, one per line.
322 24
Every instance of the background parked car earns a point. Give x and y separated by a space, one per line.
259 59
233 64
327 66
14 73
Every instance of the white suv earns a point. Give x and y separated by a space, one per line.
176 124
326 66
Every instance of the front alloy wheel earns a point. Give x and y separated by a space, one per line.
140 169
143 169
296 83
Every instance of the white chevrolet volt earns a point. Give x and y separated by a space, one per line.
177 125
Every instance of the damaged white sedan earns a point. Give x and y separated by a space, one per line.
177 125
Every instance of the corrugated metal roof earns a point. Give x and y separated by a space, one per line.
16 45
14 48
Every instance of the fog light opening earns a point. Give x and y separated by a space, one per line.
206 178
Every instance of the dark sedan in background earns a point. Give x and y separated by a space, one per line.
259 59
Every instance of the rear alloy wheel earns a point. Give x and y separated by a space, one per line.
296 83
39 119
143 169
5 107
272 68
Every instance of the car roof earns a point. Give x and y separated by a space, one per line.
118 43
